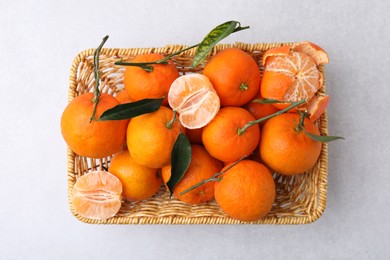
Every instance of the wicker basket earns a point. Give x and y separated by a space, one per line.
300 199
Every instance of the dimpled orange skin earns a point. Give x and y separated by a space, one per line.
141 84
202 167
246 192
139 182
221 139
149 140
285 150
96 139
235 76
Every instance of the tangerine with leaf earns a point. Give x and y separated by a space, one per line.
286 148
291 73
150 137
91 137
202 166
141 83
223 139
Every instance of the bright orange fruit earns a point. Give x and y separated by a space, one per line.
246 191
202 167
285 149
139 182
150 140
123 97
95 139
141 84
221 138
235 76
260 110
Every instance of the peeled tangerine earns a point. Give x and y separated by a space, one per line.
97 195
195 99
291 74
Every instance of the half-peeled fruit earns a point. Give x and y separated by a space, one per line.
292 74
195 99
97 195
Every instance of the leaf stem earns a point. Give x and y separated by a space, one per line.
146 65
242 130
301 125
170 123
97 77
215 177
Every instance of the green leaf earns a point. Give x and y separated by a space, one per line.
320 138
180 160
130 110
212 38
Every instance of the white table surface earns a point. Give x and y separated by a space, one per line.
39 39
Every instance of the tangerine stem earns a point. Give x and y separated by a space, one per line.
300 126
242 130
215 177
146 65
170 123
97 77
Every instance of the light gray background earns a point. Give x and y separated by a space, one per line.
39 39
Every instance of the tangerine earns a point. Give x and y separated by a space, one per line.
95 139
123 97
291 73
221 136
246 191
139 182
286 149
150 137
202 166
141 84
235 76
260 110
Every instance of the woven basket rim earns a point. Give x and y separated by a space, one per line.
323 126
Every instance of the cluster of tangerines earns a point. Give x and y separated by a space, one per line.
234 149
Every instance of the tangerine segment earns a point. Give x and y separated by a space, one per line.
195 99
302 72
202 166
141 84
221 139
246 191
287 150
97 195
